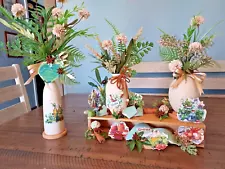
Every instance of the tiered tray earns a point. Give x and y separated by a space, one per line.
151 119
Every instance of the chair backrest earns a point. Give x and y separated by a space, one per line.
11 92
154 78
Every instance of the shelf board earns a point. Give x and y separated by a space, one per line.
151 119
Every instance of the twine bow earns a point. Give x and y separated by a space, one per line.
121 80
196 76
33 70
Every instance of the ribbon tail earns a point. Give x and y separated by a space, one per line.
30 79
34 69
199 86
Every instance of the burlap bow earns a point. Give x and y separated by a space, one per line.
33 70
121 80
196 76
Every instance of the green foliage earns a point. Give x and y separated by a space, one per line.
98 77
116 116
116 31
168 54
190 149
136 142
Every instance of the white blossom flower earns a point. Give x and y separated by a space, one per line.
197 20
174 65
195 46
18 10
121 38
57 12
58 30
164 108
95 124
84 14
107 44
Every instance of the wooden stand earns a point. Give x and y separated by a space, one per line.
169 123
52 137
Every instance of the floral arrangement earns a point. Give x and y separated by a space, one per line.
136 100
186 56
192 110
44 39
117 53
163 108
99 85
96 99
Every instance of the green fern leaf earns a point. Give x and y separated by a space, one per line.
168 54
116 31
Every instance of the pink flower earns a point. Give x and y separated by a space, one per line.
121 38
107 44
195 46
174 65
18 10
83 14
197 20
160 146
57 12
164 109
58 30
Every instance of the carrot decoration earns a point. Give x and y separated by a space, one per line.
100 138
150 110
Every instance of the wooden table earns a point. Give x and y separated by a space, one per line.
22 145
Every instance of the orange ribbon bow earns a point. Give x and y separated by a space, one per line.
196 76
121 80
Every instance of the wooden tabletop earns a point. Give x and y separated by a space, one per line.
22 145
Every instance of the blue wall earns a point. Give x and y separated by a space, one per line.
5 61
173 16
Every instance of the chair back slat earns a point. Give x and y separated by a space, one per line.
13 92
10 93
156 75
19 80
12 112
7 73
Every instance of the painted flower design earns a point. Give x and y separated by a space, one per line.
121 38
197 20
160 146
18 10
58 30
57 12
118 131
83 14
195 47
107 44
174 65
